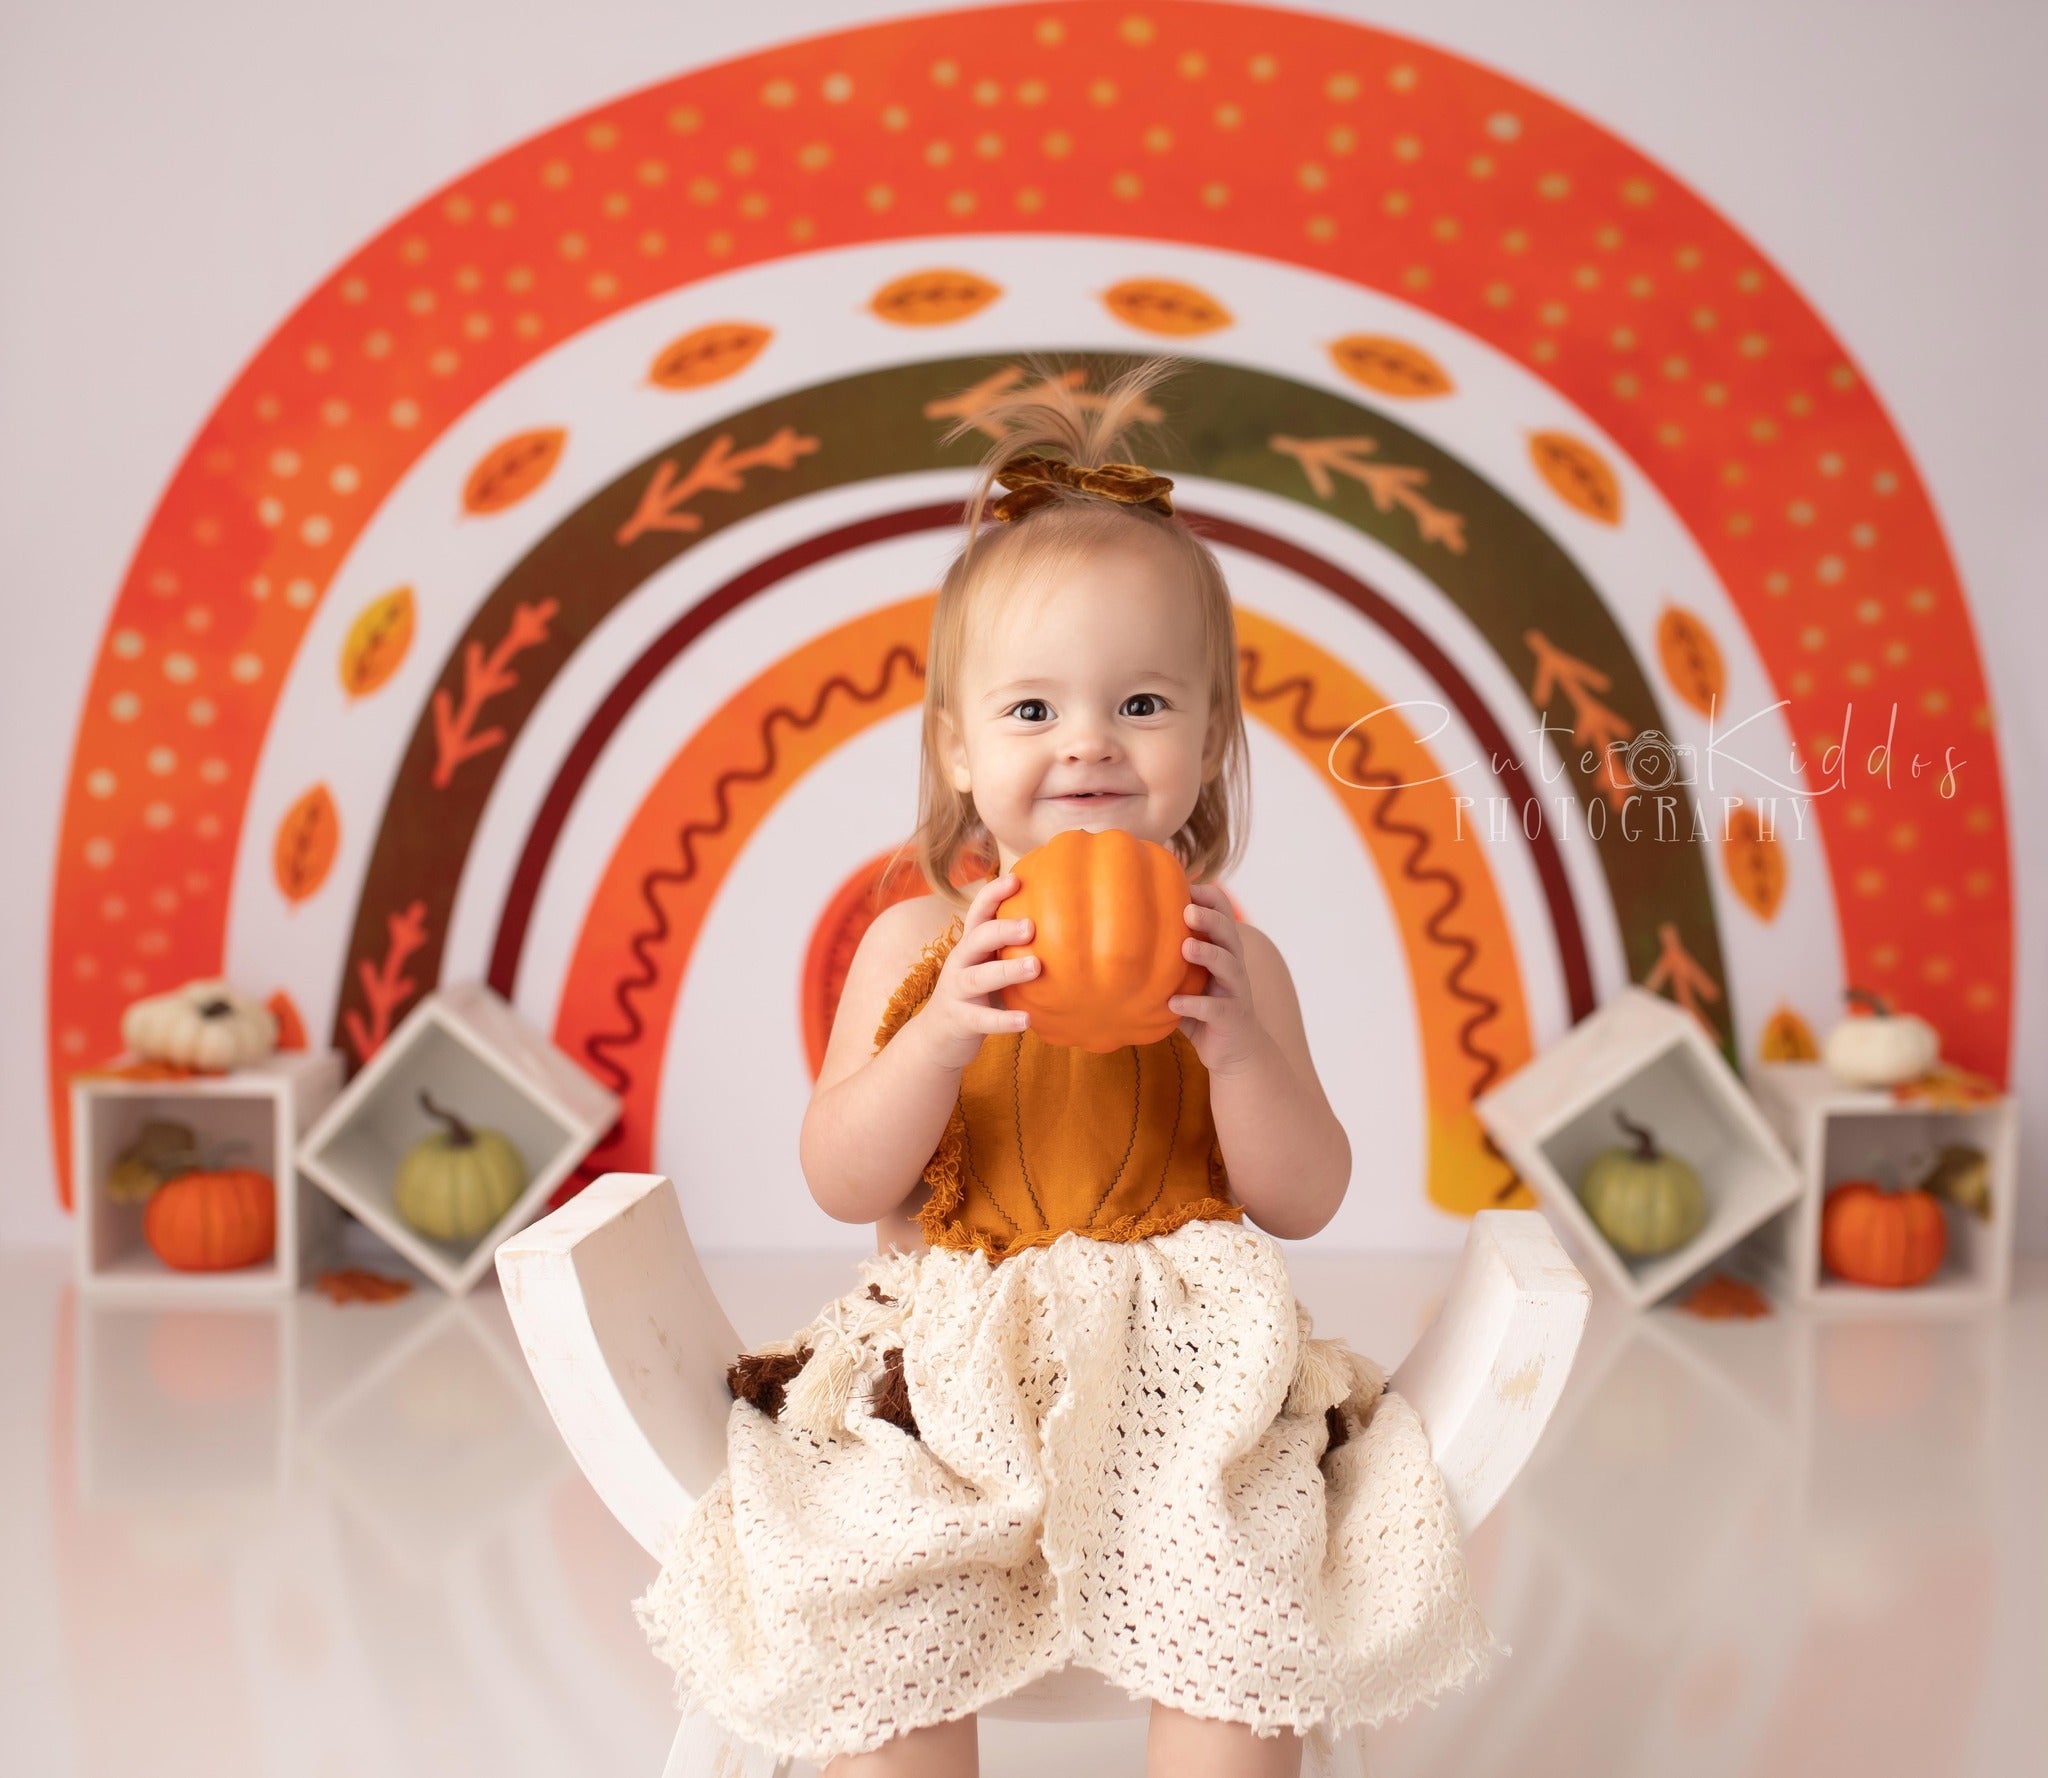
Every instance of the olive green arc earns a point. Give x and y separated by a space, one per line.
1511 575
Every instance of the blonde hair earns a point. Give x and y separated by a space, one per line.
1049 414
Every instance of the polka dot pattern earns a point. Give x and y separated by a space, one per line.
1291 136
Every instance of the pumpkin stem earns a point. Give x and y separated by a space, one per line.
1646 1143
199 1157
1868 997
216 1009
175 1162
459 1133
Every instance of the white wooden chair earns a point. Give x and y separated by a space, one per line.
630 1349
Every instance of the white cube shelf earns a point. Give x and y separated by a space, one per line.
478 1058
264 1107
1838 1132
1652 1060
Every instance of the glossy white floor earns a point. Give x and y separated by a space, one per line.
346 1541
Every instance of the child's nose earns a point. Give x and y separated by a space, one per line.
1090 740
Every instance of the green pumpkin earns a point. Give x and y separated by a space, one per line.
455 1184
1644 1201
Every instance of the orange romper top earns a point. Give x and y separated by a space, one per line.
1045 1137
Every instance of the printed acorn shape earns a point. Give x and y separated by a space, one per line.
455 1184
1107 929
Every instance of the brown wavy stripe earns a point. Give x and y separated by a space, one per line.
633 684
1420 646
1397 625
1293 695
657 928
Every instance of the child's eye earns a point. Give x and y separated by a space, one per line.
1151 698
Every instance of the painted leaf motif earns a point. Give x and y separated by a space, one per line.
709 355
377 642
1787 1037
1390 366
1691 657
1755 863
291 1028
1577 474
307 839
933 298
512 470
1160 305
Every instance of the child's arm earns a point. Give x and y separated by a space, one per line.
1286 1155
874 1119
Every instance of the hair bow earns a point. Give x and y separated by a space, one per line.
1032 479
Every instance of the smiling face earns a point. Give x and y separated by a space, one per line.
1095 681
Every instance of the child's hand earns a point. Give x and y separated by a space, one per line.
959 1013
1220 1023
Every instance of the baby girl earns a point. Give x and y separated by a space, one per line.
1072 1413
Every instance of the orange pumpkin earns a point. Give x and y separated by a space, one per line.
1872 1236
212 1221
1107 930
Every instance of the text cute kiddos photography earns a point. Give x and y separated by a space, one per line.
1071 1411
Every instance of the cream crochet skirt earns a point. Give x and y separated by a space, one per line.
1119 1462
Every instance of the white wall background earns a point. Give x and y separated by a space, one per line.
173 179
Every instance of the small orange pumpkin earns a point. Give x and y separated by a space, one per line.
1107 929
213 1221
1872 1236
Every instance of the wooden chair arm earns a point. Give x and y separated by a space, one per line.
1488 1370
629 1346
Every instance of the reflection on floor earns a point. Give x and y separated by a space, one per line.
347 1541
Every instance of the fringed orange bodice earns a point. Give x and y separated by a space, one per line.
1045 1138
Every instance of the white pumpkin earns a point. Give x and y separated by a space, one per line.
204 1024
1880 1048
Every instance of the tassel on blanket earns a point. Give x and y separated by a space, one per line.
818 1398
809 1380
1365 1383
1320 1754
814 1390
1368 1384
1329 1377
762 1377
891 1399
1333 1419
1323 1377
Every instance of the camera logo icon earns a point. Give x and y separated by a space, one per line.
1651 760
